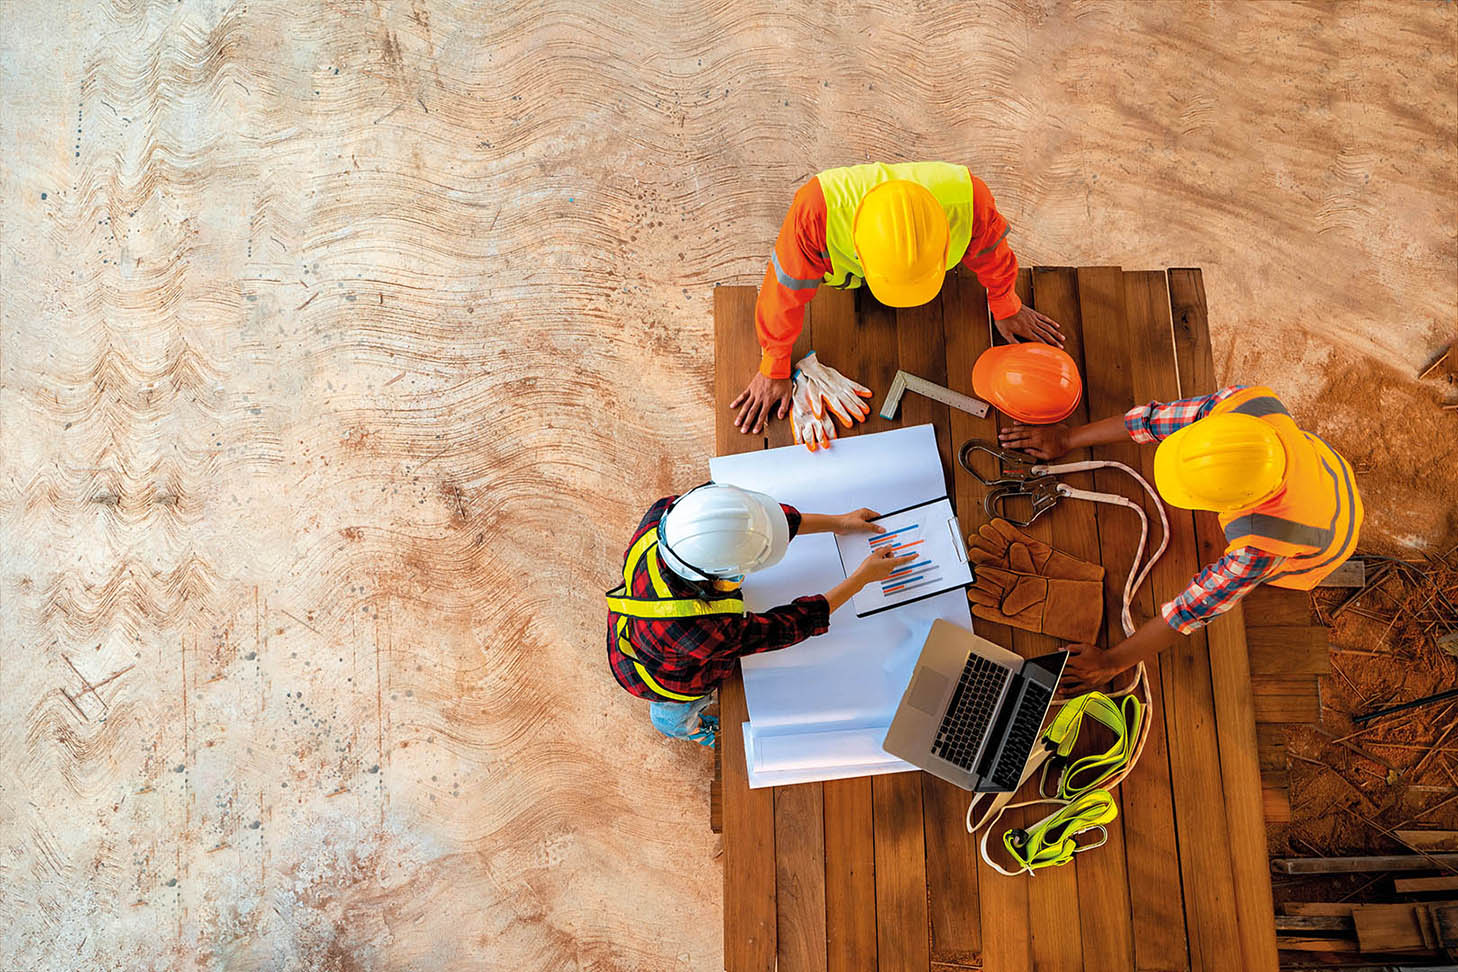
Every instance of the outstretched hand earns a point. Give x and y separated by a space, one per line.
858 521
764 397
1028 323
1089 669
1040 441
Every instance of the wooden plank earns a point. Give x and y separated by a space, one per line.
903 941
1429 840
1230 661
850 879
951 875
1099 880
1275 805
736 358
1359 865
800 877
1288 649
1326 908
1155 891
779 432
1314 923
921 349
1285 698
1200 817
1271 747
1424 885
716 795
1303 943
1002 901
1275 605
749 825
1352 573
1391 927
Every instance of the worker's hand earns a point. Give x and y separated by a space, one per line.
1028 323
764 397
879 565
1089 669
858 521
1040 441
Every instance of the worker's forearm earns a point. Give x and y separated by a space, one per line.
1153 636
816 523
1102 432
843 592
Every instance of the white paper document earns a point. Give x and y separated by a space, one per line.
929 532
819 710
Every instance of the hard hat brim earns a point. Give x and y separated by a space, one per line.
911 293
1167 478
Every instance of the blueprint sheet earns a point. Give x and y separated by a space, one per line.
819 710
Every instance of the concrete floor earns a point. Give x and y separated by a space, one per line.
344 342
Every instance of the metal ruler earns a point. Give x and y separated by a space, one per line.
905 381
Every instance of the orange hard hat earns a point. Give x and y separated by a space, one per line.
1033 383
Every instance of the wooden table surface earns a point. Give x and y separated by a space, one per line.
879 872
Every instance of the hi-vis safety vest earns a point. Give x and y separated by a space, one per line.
845 188
664 604
1314 520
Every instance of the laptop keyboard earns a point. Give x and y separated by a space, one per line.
1021 736
970 711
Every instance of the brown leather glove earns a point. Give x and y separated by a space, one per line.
1000 544
1057 606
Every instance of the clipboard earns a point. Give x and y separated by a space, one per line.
929 529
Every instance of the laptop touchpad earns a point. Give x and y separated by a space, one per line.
927 690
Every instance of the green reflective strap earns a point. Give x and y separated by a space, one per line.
619 602
1124 719
1053 840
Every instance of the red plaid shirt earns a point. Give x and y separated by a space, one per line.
692 656
1215 589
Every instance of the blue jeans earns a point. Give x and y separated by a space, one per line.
685 720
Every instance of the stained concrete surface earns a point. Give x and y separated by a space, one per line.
344 341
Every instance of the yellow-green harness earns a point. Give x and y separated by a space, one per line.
620 601
1081 795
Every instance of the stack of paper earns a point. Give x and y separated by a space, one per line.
819 710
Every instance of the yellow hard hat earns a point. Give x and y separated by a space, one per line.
900 234
1224 463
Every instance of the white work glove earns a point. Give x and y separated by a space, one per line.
842 396
808 420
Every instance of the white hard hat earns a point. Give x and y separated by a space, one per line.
714 532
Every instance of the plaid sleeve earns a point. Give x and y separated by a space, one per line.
1215 589
1158 420
793 516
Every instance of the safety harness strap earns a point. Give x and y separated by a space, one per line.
1053 841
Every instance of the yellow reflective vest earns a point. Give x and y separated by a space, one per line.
622 606
1315 518
844 189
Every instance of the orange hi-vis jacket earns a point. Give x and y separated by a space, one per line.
801 262
1314 519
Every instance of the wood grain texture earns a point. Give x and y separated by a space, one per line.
903 939
800 877
1150 844
850 876
1185 668
321 321
1232 658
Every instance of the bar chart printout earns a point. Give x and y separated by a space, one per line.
930 533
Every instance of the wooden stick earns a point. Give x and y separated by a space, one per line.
1439 861
1359 865
1436 361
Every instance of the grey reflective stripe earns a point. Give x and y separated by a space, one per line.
1336 554
793 283
988 249
1265 405
1262 525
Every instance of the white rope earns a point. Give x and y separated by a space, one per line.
1139 683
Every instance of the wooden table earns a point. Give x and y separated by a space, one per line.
878 872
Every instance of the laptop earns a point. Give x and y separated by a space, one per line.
972 710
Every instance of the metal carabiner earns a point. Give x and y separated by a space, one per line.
1022 463
1043 494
